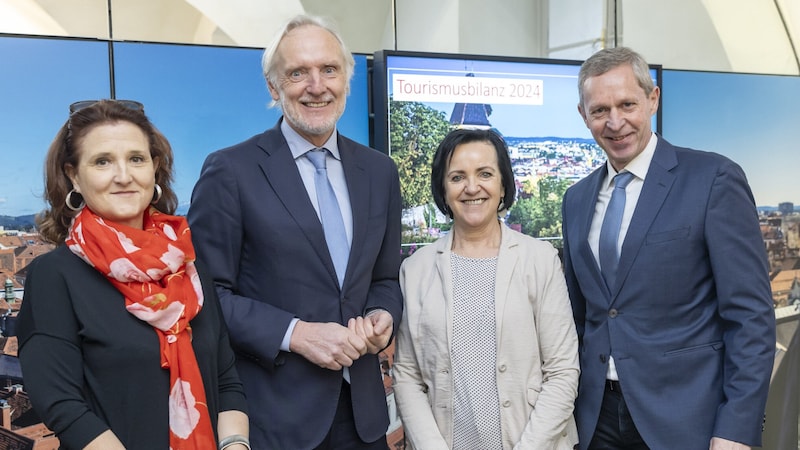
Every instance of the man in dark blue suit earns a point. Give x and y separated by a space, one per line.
306 319
676 325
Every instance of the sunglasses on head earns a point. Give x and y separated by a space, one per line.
83 104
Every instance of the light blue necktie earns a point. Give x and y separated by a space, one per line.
330 214
609 232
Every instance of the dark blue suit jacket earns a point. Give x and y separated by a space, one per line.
254 225
690 322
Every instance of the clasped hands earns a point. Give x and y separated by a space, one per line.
333 346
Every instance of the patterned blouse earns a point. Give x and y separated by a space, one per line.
476 418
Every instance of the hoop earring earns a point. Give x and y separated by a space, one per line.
68 201
158 193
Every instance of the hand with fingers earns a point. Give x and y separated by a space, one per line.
375 329
328 345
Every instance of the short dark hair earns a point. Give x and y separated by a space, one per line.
444 154
54 222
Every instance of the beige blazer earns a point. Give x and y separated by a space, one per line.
537 359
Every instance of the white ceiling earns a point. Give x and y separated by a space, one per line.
756 36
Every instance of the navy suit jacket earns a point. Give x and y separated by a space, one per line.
690 322
252 221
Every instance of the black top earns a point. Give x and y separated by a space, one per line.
89 365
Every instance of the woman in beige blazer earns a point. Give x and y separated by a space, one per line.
486 353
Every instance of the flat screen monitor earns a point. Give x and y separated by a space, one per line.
532 103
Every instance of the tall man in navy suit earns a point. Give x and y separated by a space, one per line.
677 344
305 328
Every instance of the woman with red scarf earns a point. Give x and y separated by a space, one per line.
121 339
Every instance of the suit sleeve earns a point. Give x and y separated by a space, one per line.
558 347
410 389
576 297
384 290
231 392
256 328
51 358
740 267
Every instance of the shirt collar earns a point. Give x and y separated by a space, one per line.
299 145
638 165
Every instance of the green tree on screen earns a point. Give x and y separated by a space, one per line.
415 132
538 209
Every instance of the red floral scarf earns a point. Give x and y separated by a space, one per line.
154 270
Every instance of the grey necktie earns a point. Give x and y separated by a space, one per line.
609 232
330 214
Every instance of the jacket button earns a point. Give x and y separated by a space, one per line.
506 404
603 359
502 368
613 313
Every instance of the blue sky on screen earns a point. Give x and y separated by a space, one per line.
37 89
752 119
201 98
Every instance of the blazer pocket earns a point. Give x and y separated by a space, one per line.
666 236
713 346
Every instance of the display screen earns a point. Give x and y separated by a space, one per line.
751 119
419 97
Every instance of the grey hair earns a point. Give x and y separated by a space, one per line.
270 59
611 58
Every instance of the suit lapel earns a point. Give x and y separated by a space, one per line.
444 269
357 180
280 171
587 204
506 262
654 191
